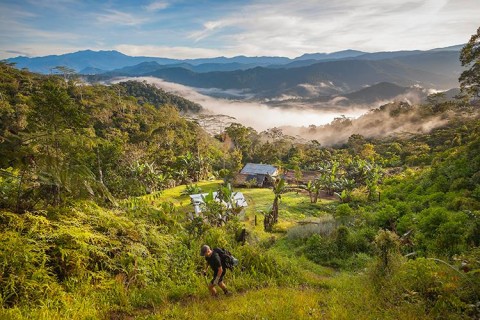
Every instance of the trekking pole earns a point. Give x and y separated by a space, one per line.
204 275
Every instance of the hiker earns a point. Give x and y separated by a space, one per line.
214 259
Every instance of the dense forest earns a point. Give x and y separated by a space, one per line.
95 217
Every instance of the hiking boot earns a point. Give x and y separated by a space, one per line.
227 293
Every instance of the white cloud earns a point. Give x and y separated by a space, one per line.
291 28
157 5
120 18
255 114
43 50
168 52
209 29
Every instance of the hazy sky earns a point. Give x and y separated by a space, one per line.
207 28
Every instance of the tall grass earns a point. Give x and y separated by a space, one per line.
323 226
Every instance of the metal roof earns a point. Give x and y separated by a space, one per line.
256 168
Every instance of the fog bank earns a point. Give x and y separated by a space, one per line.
326 122
255 114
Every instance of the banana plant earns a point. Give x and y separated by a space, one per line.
347 186
313 188
279 186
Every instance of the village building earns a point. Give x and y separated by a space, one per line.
255 174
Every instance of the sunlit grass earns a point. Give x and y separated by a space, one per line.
268 303
182 202
294 206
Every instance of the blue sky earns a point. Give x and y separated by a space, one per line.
208 28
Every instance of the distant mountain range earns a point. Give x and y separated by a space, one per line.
94 62
439 70
317 75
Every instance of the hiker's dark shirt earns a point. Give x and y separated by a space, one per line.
215 261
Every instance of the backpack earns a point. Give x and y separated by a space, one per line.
227 258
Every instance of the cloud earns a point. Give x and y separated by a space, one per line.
304 121
115 17
290 28
255 114
209 29
14 52
375 123
44 50
167 52
157 6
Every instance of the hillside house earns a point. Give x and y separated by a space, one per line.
255 174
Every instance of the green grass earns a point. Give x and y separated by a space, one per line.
293 206
343 296
182 202
267 303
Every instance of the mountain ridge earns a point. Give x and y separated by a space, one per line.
109 60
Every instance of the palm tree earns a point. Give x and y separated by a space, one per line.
62 180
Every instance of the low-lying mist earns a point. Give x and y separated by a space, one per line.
374 124
326 122
256 114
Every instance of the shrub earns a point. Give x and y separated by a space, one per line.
341 240
476 193
361 241
357 261
421 277
320 249
343 212
441 289
442 231
25 275
191 189
386 217
387 252
265 266
217 237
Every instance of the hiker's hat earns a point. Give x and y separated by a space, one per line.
204 250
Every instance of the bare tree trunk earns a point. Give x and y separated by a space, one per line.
100 172
19 192
275 210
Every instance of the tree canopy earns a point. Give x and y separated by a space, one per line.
470 57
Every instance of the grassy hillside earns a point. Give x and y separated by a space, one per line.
139 262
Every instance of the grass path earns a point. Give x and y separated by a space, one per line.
266 303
